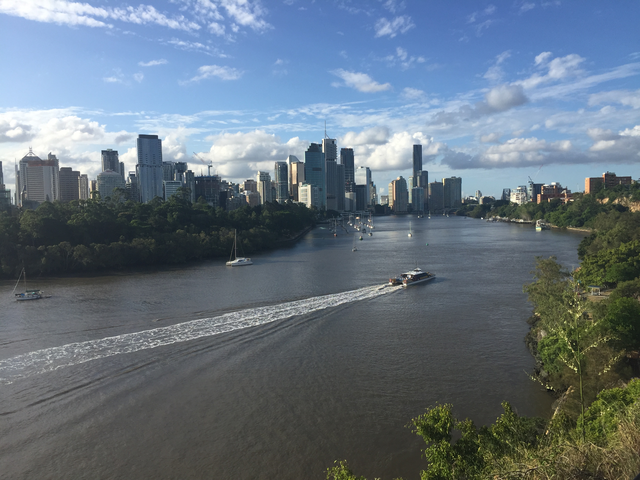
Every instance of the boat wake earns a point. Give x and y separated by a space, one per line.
54 358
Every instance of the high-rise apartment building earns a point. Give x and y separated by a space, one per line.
264 187
149 167
315 172
282 182
69 184
296 177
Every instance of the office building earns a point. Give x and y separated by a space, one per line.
132 187
5 195
417 199
108 181
608 180
436 197
347 159
296 177
452 190
417 165
149 167
83 187
309 195
264 187
37 180
330 149
533 190
170 187
340 184
69 184
315 172
110 161
398 195
363 177
519 195
207 187
282 182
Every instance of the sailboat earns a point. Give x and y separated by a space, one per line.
234 259
27 294
410 234
354 249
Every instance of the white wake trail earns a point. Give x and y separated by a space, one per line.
49 359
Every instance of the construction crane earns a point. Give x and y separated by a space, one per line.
209 165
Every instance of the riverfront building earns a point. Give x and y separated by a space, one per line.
452 192
608 180
398 195
315 172
363 177
436 197
149 167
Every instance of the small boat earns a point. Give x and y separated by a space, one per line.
410 234
370 234
234 259
27 294
541 225
360 237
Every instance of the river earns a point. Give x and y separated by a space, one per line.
273 370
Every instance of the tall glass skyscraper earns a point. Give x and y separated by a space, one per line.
149 167
110 161
282 182
347 159
417 165
315 173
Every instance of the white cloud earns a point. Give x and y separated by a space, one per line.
361 81
413 94
153 63
208 71
495 73
397 152
391 28
11 130
240 155
560 68
526 6
491 138
64 12
402 58
138 77
371 136
627 98
505 97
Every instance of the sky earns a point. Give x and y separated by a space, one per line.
496 92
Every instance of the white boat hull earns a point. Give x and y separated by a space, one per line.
415 282
239 262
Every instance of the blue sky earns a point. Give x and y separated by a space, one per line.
495 91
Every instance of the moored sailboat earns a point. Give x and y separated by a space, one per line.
235 260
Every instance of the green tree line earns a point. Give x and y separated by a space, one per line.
94 235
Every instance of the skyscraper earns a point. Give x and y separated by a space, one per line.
69 184
5 195
398 195
149 167
282 182
110 161
436 197
37 180
417 165
315 172
296 177
363 177
452 192
108 181
330 149
83 187
347 159
264 187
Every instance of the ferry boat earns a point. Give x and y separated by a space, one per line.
417 275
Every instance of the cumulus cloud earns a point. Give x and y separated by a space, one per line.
209 71
371 136
505 97
391 28
360 81
498 99
13 131
623 147
240 155
491 138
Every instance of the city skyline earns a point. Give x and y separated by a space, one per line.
494 93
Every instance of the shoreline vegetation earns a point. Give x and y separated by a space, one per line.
104 236
587 356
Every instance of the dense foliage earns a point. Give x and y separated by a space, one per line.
94 235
